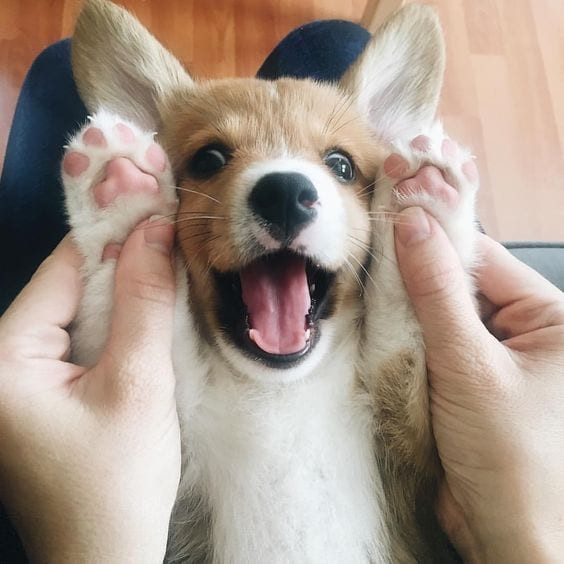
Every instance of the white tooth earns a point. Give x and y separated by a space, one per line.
307 334
252 333
312 288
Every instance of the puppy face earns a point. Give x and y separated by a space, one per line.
275 178
273 219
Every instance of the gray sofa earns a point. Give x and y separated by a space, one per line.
546 258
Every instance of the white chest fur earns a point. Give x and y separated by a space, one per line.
288 473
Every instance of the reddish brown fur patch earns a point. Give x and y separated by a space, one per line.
404 420
258 121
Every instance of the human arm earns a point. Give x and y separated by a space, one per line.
495 396
90 458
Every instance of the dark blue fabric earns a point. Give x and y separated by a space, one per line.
32 219
322 50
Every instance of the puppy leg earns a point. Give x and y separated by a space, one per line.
114 176
393 349
394 360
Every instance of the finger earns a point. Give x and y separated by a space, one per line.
139 348
52 295
395 166
524 300
439 290
503 279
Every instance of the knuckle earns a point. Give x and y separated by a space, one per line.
436 279
557 314
153 287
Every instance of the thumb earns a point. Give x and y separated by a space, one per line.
439 291
138 353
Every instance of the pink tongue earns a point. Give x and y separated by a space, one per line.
276 294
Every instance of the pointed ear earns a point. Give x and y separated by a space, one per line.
118 65
397 80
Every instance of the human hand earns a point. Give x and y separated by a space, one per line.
90 458
496 397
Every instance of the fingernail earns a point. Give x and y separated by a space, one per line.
111 252
421 143
412 226
395 166
159 234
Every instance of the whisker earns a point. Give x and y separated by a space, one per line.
387 221
364 269
383 211
192 212
181 219
344 124
349 101
195 192
195 225
194 236
336 112
368 250
366 188
355 274
202 246
362 245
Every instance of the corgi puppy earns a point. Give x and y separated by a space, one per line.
301 383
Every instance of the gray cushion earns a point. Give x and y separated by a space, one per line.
545 258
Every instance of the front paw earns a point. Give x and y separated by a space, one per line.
433 172
114 175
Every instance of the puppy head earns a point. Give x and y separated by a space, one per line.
275 178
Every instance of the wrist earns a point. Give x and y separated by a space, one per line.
116 547
505 527
515 534
68 535
517 546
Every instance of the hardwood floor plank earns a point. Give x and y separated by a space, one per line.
549 24
502 145
484 31
541 164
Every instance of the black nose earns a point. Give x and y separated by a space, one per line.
285 201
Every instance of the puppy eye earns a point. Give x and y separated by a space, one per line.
209 160
341 165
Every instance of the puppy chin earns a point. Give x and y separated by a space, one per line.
258 372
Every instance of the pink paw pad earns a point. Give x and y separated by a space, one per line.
156 157
470 170
74 163
94 137
421 143
449 149
124 133
123 177
395 166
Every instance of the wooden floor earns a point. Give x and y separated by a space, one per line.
504 90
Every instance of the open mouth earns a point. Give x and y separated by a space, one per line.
271 308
